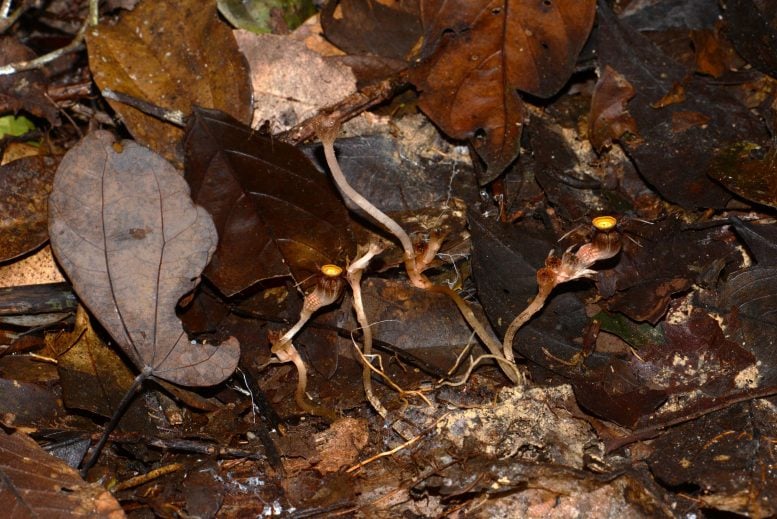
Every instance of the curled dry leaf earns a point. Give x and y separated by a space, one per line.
125 230
609 118
478 53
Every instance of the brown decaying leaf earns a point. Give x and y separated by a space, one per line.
25 184
132 242
24 90
609 118
276 214
749 28
286 78
477 53
727 454
174 55
390 30
92 376
36 484
675 164
748 170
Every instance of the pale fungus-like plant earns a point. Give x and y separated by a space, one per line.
604 244
327 290
415 263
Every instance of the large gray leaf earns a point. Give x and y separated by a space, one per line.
126 231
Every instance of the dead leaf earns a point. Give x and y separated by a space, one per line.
36 484
751 26
25 184
174 55
476 55
750 299
24 90
37 269
291 82
390 30
276 214
665 260
125 230
675 164
92 376
748 170
726 455
609 118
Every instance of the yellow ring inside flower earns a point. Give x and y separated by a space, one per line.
331 271
604 223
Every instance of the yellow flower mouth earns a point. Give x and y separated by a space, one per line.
604 223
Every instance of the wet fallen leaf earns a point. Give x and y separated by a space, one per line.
132 242
174 55
476 54
725 457
753 29
676 164
36 484
276 214
748 170
26 184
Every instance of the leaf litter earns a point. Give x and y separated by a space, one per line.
644 383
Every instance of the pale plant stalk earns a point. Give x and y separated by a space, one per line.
326 292
327 132
354 276
572 265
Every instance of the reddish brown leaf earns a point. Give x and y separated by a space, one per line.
276 214
132 242
36 484
25 184
478 53
174 55
609 118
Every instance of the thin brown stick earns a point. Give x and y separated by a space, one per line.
348 108
148 476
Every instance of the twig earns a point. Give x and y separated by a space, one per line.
654 430
19 66
6 19
148 476
348 108
175 117
133 390
398 448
